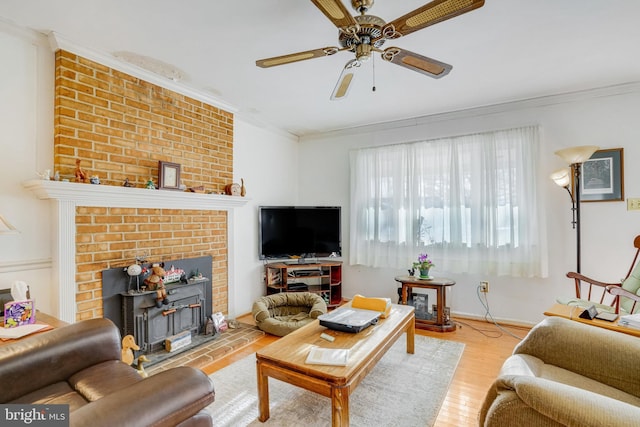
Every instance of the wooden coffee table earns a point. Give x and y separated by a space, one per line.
285 360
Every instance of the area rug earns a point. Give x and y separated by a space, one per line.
402 390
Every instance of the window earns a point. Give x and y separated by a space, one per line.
470 201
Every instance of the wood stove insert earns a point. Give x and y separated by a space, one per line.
136 313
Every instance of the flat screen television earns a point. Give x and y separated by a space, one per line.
299 231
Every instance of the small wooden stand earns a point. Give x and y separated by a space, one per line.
442 322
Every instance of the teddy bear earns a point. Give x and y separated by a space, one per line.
155 283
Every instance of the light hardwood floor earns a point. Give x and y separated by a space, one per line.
486 348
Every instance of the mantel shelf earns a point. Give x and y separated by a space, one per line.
124 197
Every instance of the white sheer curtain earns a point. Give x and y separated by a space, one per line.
470 201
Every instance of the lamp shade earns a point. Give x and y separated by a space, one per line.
561 177
573 155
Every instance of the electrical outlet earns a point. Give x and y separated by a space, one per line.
484 286
633 204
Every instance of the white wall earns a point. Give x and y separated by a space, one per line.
26 144
279 170
268 162
606 117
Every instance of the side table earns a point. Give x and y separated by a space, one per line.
52 321
573 313
442 321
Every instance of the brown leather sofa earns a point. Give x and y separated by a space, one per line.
79 365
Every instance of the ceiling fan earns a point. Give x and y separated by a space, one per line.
365 34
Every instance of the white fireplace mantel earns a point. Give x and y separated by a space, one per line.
67 195
124 197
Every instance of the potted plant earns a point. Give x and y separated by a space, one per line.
424 264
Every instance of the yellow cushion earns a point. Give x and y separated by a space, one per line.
382 305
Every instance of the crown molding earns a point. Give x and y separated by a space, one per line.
541 101
58 41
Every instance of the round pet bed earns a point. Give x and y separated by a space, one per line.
280 314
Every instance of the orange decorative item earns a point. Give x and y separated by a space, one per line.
81 176
128 346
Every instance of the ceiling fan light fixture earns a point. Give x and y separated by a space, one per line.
432 13
438 12
428 67
343 86
363 52
413 61
361 6
363 34
335 11
291 58
344 81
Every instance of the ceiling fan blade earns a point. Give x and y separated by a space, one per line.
336 12
295 57
344 81
429 14
416 62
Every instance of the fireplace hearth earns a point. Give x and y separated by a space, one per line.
136 313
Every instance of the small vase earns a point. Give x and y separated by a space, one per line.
424 273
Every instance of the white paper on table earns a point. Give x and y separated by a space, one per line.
328 356
21 331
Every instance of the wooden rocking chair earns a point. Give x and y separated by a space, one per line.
620 298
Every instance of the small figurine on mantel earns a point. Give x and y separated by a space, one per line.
81 176
243 190
45 175
150 185
126 183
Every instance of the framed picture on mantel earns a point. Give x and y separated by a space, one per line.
603 177
168 176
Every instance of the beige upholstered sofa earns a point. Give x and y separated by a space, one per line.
280 314
565 373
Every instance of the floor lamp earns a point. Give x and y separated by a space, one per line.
575 157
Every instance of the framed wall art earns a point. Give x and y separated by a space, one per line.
168 176
602 178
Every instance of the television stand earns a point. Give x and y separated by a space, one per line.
303 262
320 277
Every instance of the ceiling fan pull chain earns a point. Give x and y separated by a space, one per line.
373 67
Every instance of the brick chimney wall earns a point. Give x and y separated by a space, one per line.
120 126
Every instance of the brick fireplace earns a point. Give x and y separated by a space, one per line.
119 127
67 197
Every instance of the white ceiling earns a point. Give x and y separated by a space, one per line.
506 50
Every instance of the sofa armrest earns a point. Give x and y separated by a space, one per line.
40 360
605 356
570 406
164 399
